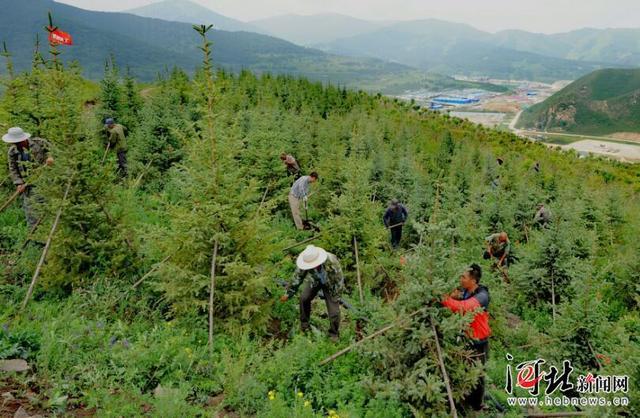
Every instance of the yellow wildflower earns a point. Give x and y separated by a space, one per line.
300 394
307 404
272 395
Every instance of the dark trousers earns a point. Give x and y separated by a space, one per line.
333 308
396 236
293 172
476 397
122 163
497 257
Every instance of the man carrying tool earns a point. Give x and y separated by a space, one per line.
498 247
299 194
116 140
326 276
394 218
293 169
473 298
543 216
26 153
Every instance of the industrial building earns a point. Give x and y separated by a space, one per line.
455 101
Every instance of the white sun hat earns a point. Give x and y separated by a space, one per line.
311 257
15 135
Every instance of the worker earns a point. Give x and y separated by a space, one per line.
299 194
116 141
293 169
394 218
498 247
543 216
536 167
473 298
326 276
25 154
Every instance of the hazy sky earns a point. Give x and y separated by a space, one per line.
533 15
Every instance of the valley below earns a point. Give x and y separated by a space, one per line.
501 110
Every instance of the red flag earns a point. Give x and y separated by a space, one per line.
58 37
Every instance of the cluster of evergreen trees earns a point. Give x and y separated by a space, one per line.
206 179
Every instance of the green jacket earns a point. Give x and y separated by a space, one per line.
20 163
116 137
334 279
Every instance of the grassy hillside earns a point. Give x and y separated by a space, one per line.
603 102
160 294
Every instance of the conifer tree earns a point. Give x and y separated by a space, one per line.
110 92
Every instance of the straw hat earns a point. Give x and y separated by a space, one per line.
15 135
311 258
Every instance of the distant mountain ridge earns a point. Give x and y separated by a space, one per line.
148 46
453 48
315 29
614 46
190 12
603 102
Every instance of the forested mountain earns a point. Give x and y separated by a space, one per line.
603 102
159 293
612 46
450 48
190 12
315 29
148 46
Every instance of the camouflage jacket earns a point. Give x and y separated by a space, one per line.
116 138
21 162
543 215
329 278
496 246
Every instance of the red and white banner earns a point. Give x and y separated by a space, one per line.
58 37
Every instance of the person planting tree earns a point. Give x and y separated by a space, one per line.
26 153
298 194
325 273
498 247
293 169
473 298
116 140
543 216
394 219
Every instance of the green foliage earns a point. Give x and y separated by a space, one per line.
206 174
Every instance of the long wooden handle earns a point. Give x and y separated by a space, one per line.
369 337
45 251
445 376
9 201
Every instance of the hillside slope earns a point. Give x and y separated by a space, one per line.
603 102
161 293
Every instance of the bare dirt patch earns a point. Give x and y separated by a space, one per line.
627 136
623 152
